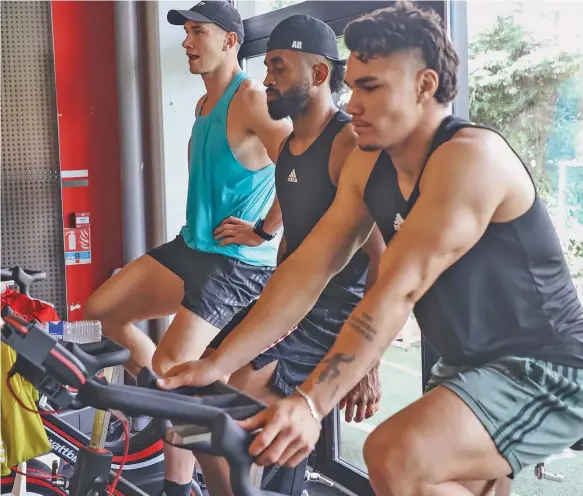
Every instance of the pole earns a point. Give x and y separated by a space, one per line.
126 33
562 210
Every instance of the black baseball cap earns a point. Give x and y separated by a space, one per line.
221 13
305 34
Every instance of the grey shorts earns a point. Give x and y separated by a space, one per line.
531 409
216 287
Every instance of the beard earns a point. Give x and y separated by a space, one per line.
291 102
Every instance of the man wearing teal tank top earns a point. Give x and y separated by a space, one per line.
227 248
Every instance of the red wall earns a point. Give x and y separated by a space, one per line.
86 87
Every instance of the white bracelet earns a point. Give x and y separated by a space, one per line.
311 405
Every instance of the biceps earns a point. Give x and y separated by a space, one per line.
340 233
428 243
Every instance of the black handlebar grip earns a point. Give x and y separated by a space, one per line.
25 278
101 354
147 378
233 443
6 273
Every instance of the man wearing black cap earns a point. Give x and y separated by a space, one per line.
303 71
471 250
227 249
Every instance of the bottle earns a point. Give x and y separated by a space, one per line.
83 331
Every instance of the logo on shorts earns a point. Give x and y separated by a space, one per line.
398 222
292 178
297 44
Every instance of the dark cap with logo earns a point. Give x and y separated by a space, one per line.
305 34
221 13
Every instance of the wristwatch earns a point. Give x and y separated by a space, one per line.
258 229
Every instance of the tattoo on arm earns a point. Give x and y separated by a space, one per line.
331 371
362 325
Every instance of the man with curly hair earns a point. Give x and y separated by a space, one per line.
471 250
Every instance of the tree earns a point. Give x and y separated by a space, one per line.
280 4
532 92
515 85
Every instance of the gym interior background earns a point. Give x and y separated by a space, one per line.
97 108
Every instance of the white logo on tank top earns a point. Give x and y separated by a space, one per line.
398 221
292 178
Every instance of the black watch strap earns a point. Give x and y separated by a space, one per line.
258 229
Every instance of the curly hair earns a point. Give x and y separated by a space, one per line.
405 27
337 70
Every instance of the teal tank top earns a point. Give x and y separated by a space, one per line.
220 186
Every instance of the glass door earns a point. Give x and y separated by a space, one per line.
525 79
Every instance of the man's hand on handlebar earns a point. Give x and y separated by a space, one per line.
289 433
197 373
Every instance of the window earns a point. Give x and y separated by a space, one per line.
255 67
526 81
525 73
343 96
400 373
252 8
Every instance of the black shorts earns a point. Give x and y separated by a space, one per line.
303 349
216 287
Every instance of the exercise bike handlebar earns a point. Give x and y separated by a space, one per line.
49 365
98 355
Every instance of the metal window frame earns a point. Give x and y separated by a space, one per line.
337 16
457 19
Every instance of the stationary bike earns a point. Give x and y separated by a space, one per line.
206 423
143 470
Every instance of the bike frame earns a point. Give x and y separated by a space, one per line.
143 471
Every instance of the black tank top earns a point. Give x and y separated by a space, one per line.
511 294
305 192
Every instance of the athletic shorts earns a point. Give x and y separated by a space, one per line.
216 287
532 409
300 351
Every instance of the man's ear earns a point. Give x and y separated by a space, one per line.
427 84
230 41
320 73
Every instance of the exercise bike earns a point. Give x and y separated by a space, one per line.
143 471
144 465
206 423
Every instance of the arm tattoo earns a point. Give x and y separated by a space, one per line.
362 325
331 371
